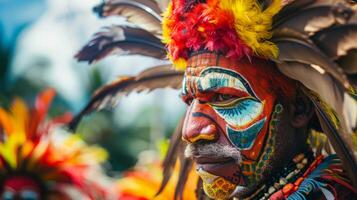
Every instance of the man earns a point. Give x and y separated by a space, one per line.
240 104
241 129
253 98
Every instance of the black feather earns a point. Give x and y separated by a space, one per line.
121 40
143 13
295 50
337 41
175 148
336 138
108 95
290 10
311 20
185 167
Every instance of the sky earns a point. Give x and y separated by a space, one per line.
45 49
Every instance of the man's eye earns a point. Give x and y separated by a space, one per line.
223 98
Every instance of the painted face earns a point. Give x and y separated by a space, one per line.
20 188
230 107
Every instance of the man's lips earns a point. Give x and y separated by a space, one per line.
200 160
223 167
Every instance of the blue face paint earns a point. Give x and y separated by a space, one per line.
184 86
239 112
243 112
244 139
215 77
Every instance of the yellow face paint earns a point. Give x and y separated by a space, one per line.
216 187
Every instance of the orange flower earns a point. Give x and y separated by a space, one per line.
61 161
144 182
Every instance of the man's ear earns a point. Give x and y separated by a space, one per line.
302 111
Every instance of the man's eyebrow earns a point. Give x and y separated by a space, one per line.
214 78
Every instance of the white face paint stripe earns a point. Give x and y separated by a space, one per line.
218 80
216 77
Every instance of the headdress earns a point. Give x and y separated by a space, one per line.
61 163
316 43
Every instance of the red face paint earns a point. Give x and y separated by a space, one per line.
256 83
230 104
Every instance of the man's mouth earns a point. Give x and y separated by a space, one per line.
201 160
225 167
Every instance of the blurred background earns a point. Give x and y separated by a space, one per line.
38 40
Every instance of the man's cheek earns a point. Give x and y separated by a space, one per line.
245 138
256 150
243 121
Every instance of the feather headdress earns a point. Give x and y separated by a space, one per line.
234 28
317 43
64 165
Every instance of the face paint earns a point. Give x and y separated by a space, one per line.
244 139
239 113
215 187
184 86
231 103
213 78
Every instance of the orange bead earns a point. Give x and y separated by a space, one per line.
288 189
296 188
299 181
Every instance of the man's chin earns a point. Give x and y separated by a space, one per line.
216 187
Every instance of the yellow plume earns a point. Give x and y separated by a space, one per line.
254 24
166 22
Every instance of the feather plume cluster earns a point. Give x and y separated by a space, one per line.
235 28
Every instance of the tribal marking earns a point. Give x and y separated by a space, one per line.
252 170
244 139
216 77
240 112
216 187
269 148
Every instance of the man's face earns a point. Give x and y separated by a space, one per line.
228 121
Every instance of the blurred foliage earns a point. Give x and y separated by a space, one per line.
123 141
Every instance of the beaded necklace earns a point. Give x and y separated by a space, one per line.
290 173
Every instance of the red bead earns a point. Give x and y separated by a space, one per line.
279 195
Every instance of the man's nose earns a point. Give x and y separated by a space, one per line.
199 124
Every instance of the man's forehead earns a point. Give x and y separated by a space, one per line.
199 63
